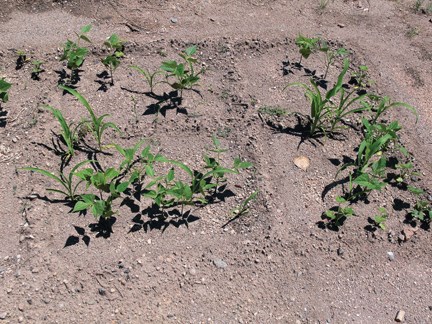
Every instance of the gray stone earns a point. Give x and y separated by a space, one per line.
390 256
220 263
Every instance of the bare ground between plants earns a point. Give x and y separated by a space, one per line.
278 265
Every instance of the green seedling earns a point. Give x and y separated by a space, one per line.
183 73
380 219
69 133
37 69
243 208
150 77
272 111
422 210
360 78
371 161
112 61
4 90
97 124
380 105
66 181
22 59
128 154
109 186
322 4
406 171
306 46
326 113
331 55
341 214
73 53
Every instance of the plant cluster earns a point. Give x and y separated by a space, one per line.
169 184
179 75
116 46
73 53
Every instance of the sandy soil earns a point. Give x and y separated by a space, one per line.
272 265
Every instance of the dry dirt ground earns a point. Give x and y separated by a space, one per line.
272 265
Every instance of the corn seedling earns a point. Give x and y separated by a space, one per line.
66 181
381 104
97 124
326 113
4 90
306 46
339 215
112 61
37 69
183 73
73 53
150 77
69 133
128 154
243 208
380 219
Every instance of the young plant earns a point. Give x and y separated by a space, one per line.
4 90
69 133
73 53
97 124
360 78
371 161
340 214
66 181
422 210
183 73
380 219
110 187
21 60
112 61
406 171
306 46
326 113
150 77
128 154
331 55
383 104
243 208
37 69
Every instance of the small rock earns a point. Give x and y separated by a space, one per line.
341 25
3 315
220 263
408 233
102 292
390 256
302 162
340 251
193 271
400 316
174 20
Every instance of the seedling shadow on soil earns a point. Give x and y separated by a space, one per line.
103 77
159 221
3 118
74 239
69 80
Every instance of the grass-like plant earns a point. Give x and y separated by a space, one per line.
327 112
112 61
69 131
4 90
73 53
66 181
150 77
379 105
243 208
97 124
